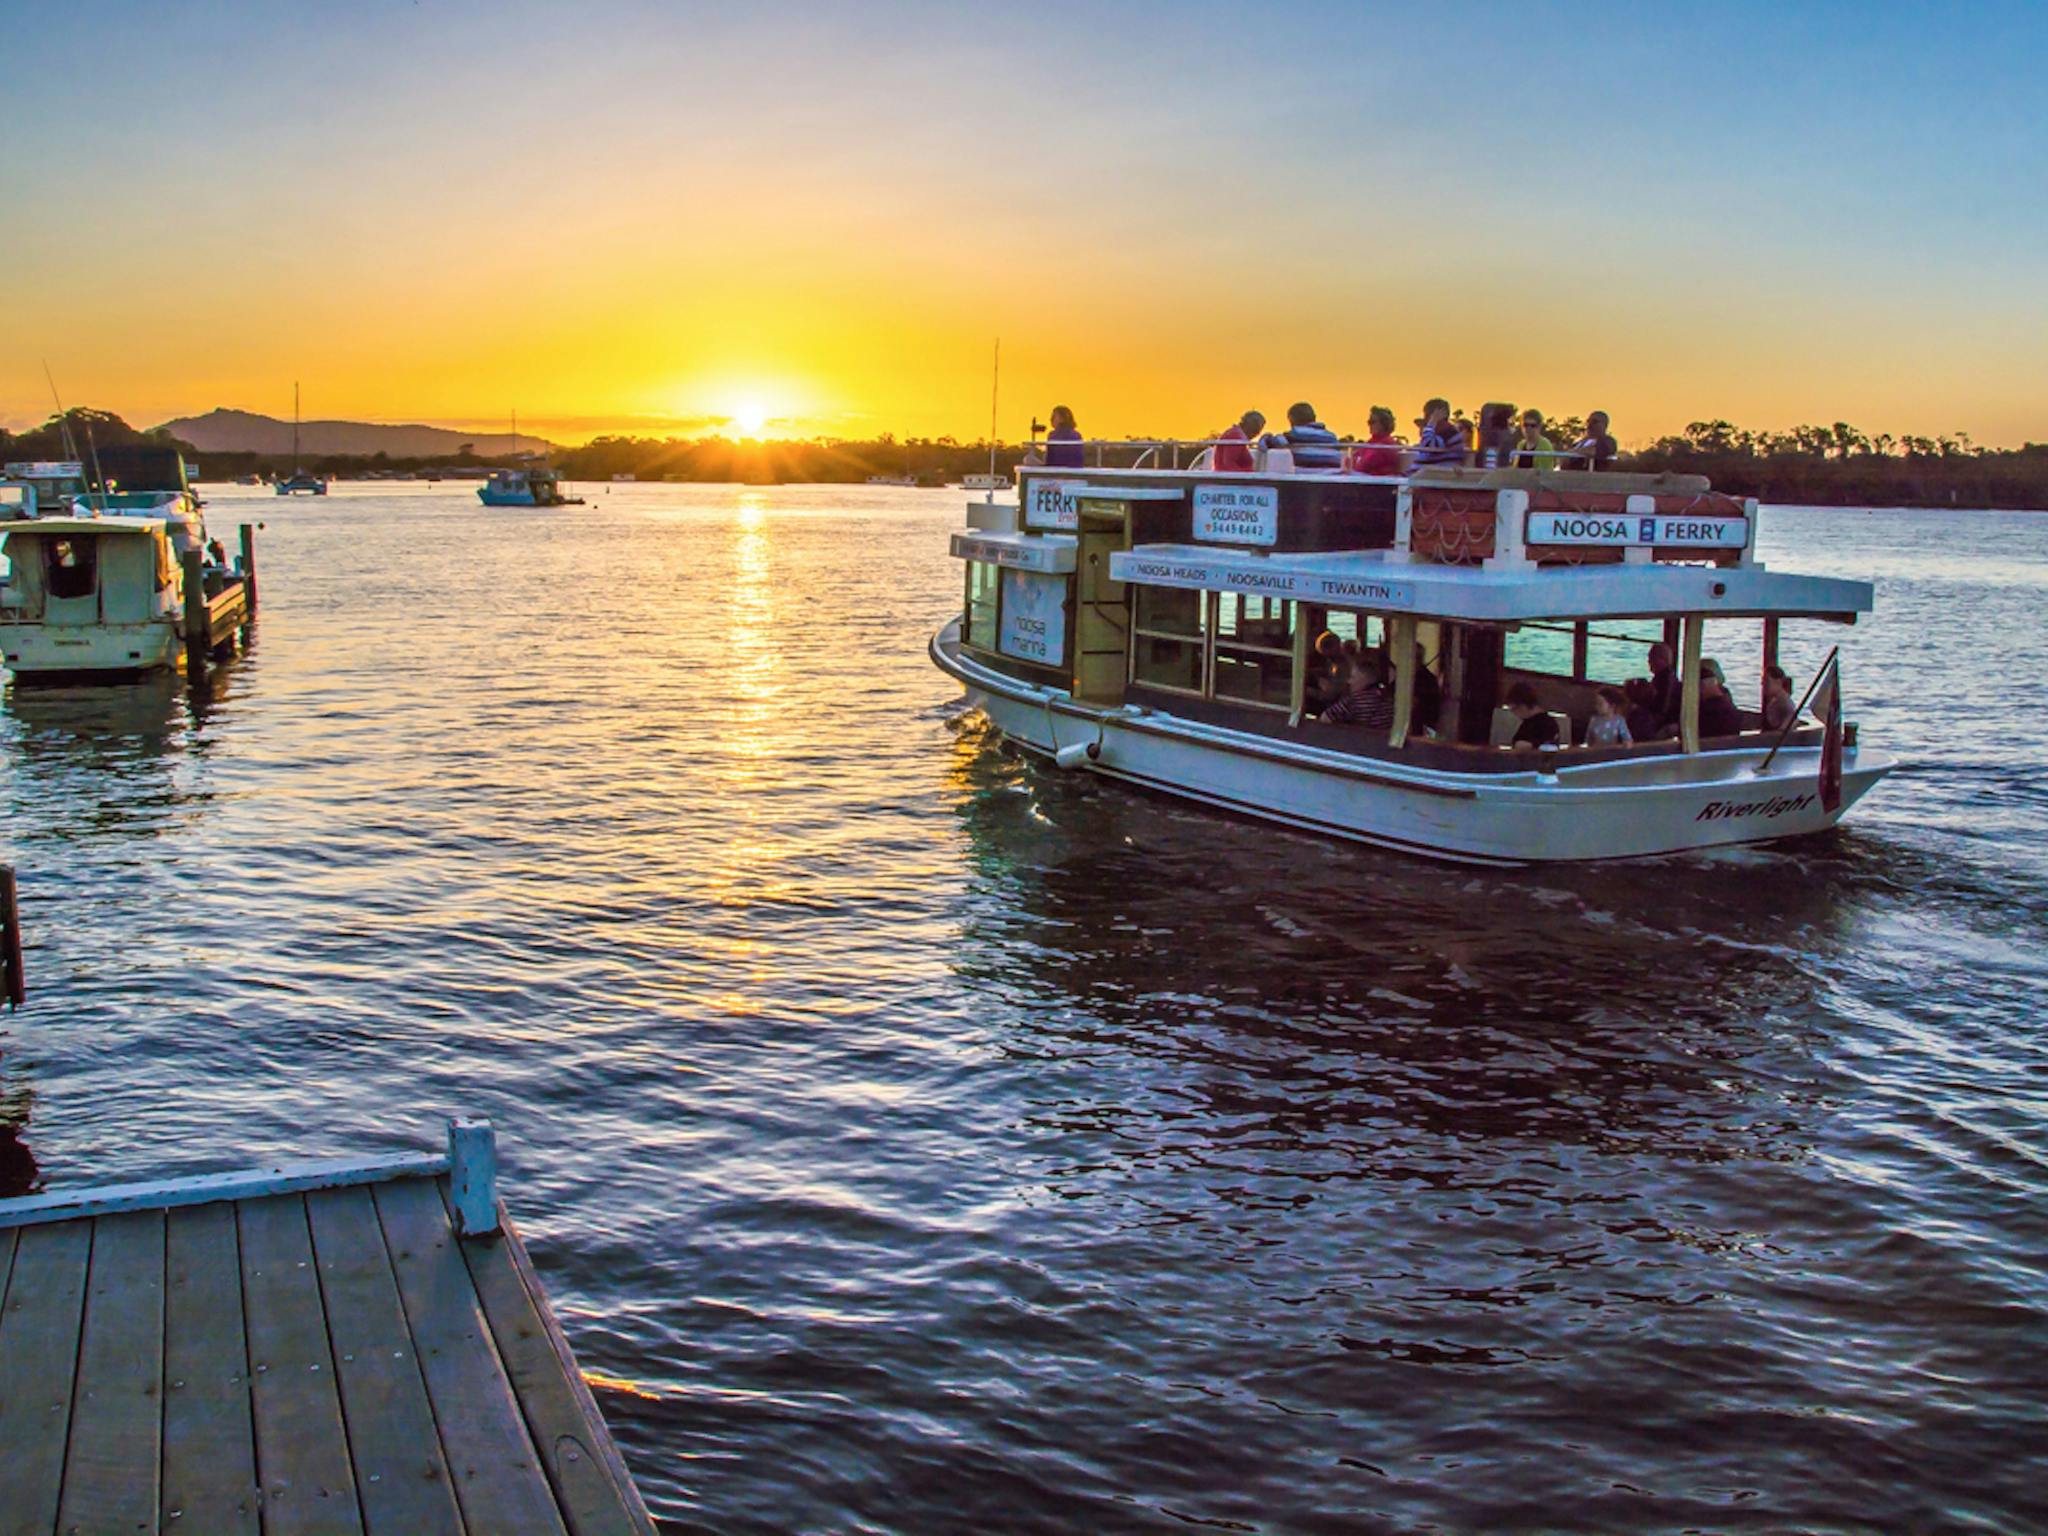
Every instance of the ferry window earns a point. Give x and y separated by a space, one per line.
1166 640
981 605
1254 660
1618 649
70 567
1545 648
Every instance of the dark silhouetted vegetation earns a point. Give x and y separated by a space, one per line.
1824 466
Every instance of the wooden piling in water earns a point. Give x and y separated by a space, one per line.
13 980
198 619
249 566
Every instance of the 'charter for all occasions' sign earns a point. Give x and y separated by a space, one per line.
1053 503
1034 624
1237 514
1662 530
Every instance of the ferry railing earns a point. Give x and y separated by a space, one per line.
1151 452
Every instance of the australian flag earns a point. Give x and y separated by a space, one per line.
1827 708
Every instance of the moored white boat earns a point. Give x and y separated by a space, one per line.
1154 626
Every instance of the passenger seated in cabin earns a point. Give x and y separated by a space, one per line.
1597 449
1439 441
1533 450
1643 724
1608 726
1233 454
1718 714
1427 708
1328 667
1063 442
1779 710
1313 445
1367 700
1381 454
1665 690
1537 728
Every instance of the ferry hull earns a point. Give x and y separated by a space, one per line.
1639 809
56 652
491 498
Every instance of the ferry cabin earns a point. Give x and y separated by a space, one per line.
1156 625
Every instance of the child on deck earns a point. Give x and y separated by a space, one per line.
1609 725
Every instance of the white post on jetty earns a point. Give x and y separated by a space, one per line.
473 1176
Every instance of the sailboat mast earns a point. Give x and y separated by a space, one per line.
295 429
995 395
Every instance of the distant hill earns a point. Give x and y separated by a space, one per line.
225 431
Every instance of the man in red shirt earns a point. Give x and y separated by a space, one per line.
1233 449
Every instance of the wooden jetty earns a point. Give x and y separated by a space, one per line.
313 1349
211 621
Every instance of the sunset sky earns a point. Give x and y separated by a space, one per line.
655 217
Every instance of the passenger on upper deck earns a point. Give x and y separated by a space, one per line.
1537 728
1376 459
1779 710
1533 450
1233 449
1063 442
1718 714
1367 701
1440 442
1313 445
1596 450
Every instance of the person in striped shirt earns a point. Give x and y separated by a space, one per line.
1367 701
1313 445
1442 440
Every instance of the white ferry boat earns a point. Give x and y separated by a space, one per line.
1155 626
535 486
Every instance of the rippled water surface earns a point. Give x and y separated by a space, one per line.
914 1138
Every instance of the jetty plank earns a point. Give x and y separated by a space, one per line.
209 1448
496 1470
401 1476
116 1443
38 1357
302 1458
597 1495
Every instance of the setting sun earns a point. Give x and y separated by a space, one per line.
749 416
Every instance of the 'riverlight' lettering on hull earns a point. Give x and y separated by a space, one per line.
1734 810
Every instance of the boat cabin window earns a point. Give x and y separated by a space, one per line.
1254 652
1167 639
1219 645
71 566
981 605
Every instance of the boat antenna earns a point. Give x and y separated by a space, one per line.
70 442
995 395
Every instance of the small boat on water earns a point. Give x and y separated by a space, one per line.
95 578
892 480
985 483
533 487
300 483
1155 625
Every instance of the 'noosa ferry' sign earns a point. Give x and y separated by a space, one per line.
1658 529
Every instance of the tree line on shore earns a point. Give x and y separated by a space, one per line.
1835 465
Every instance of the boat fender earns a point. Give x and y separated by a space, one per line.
1078 754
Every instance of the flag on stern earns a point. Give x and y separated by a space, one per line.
1827 708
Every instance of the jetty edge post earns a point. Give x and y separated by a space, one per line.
473 1175
198 619
13 980
249 568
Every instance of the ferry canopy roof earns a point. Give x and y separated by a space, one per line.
1368 579
83 524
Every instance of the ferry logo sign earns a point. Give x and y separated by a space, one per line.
1237 514
1034 626
1053 503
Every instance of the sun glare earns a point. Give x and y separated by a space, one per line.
749 416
